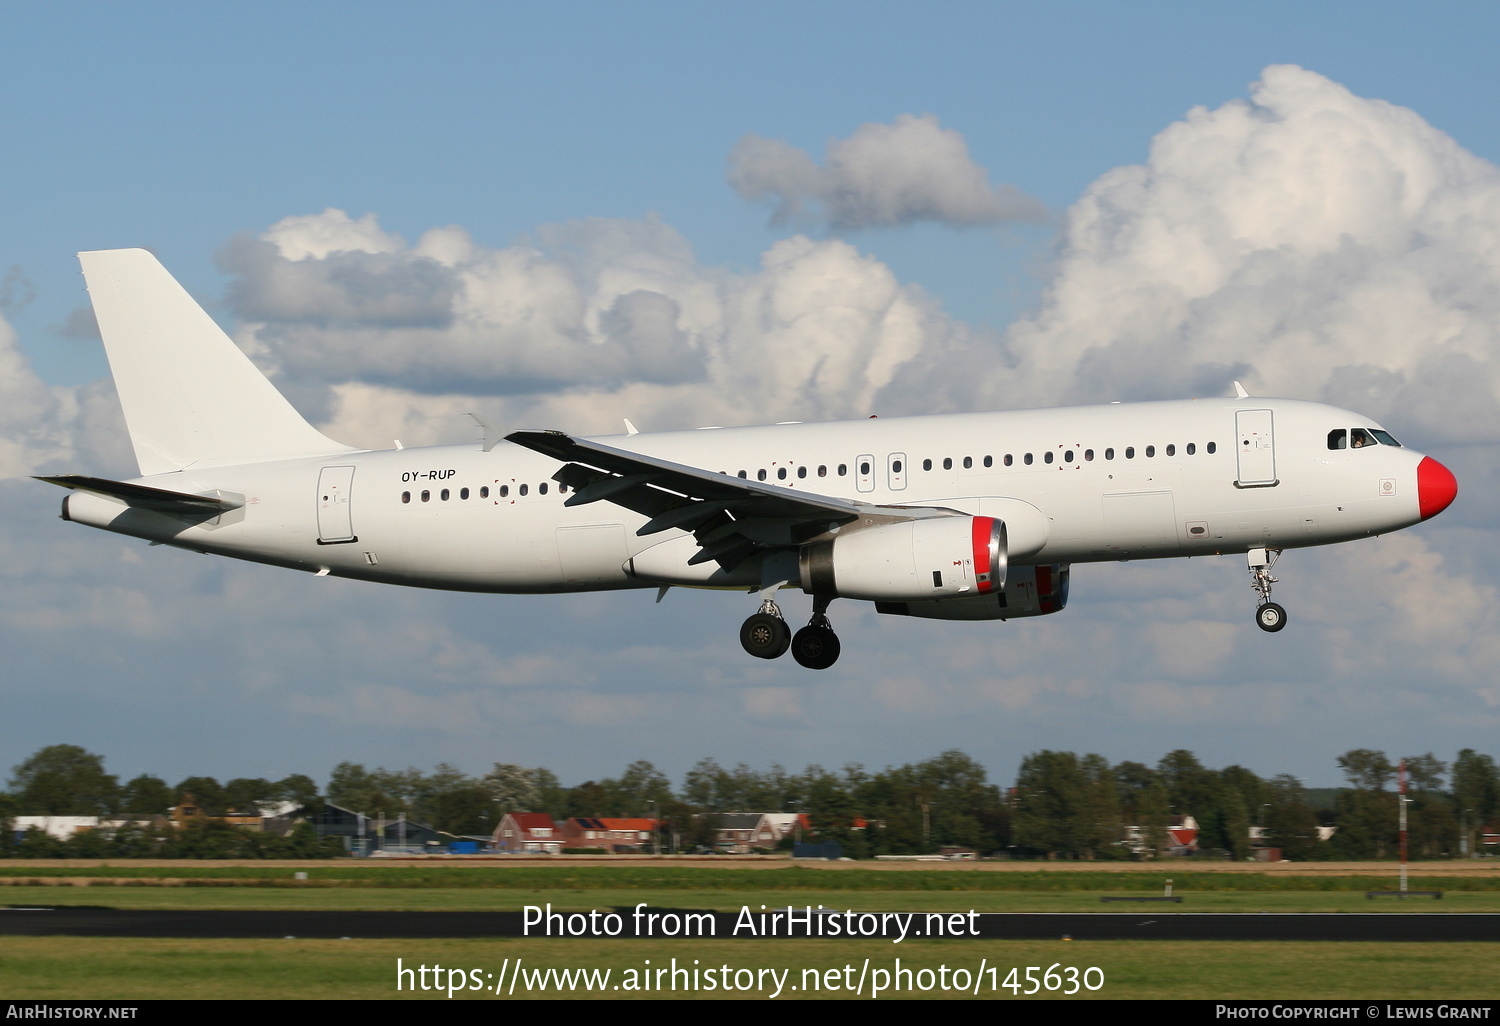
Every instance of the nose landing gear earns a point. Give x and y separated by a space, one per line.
767 636
1269 616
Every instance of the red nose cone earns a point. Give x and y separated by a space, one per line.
1436 487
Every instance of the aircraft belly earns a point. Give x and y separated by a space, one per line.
592 553
1139 524
479 541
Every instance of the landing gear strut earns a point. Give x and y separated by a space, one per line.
1269 616
816 646
767 636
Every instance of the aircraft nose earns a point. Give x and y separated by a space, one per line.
1436 487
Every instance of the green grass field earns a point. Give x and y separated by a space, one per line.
583 899
60 967
152 968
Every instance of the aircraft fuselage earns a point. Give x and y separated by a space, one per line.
1084 484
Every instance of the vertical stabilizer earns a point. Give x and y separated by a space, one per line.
191 398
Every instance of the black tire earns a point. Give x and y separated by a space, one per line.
1270 618
816 648
765 636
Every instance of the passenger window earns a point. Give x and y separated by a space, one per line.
1150 451
484 493
562 488
1026 459
1191 448
521 490
864 468
426 495
1211 447
1088 455
406 496
1047 456
742 475
896 467
443 495
989 461
541 489
463 493
926 464
504 491
947 462
843 469
822 470
781 473
1068 456
1130 452
968 462
1009 460
1109 454
760 475
1171 450
1338 439
801 472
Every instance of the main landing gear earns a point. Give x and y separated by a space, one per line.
1269 616
767 636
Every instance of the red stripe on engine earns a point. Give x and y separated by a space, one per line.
984 574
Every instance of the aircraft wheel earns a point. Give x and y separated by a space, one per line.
765 636
816 648
1270 617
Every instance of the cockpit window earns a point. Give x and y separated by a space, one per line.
1338 439
1359 438
1384 437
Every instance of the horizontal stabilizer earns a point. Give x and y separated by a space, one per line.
162 500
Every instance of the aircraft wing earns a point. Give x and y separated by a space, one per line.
729 517
162 500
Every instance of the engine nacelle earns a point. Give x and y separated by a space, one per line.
940 557
1028 591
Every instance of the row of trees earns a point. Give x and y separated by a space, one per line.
66 780
1075 807
205 838
1062 804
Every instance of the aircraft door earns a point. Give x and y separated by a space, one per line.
864 471
335 524
895 467
1255 449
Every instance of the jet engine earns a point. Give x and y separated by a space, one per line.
938 557
1028 591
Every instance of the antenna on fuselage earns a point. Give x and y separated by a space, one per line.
1239 391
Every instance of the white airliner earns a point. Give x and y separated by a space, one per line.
963 517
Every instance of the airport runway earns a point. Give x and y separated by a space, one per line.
1397 926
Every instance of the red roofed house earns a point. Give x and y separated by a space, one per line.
617 835
527 831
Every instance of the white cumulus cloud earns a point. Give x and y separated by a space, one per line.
583 324
1311 242
912 170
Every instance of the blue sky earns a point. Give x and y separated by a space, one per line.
185 127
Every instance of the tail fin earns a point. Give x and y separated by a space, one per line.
191 398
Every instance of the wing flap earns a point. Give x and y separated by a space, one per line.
682 482
731 519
